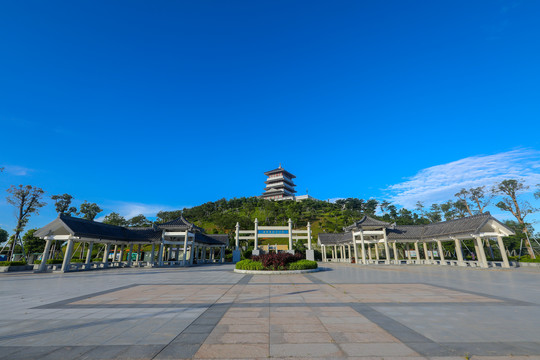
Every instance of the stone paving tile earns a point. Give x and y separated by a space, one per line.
377 349
240 351
311 350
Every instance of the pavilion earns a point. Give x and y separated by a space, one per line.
170 237
366 235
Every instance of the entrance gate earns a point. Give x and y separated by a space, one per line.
273 232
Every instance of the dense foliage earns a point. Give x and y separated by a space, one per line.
277 261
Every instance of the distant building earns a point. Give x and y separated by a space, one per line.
280 186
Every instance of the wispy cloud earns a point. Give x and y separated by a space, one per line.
131 209
439 183
16 170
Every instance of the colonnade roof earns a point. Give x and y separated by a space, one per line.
464 227
88 229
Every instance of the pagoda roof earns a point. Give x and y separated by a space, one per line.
278 180
180 224
367 221
279 170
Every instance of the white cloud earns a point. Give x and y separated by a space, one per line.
131 209
439 183
16 170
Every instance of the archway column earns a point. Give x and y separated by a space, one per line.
441 253
67 256
502 249
459 252
45 256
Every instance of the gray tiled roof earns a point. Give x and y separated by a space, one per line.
181 224
468 225
367 221
212 239
97 230
335 239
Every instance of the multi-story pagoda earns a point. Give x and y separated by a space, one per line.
279 184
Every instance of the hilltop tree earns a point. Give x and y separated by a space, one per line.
479 197
115 219
463 198
139 220
31 243
165 216
510 189
434 213
27 200
90 210
3 236
62 204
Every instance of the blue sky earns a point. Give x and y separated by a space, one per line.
141 106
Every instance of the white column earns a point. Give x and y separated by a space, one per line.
114 252
177 254
323 251
185 249
130 255
408 251
309 236
441 253
204 254
152 254
160 253
370 256
417 250
290 235
237 237
256 246
139 250
45 256
121 257
106 255
502 249
89 253
377 256
386 249
426 257
459 252
349 252
362 248
334 257
396 256
355 248
67 256
222 257
481 253
192 251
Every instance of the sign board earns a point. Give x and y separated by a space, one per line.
273 232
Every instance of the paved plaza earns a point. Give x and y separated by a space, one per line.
208 312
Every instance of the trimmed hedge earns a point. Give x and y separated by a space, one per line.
303 265
12 263
525 258
248 264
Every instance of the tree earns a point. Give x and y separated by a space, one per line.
139 220
537 193
164 216
420 208
33 244
62 204
384 206
510 189
27 200
3 236
479 197
434 215
463 197
115 219
90 210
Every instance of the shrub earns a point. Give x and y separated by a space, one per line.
37 262
279 261
525 258
54 261
303 265
248 264
12 263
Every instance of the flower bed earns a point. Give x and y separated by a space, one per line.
276 262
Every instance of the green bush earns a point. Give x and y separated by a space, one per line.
303 265
525 258
37 262
12 263
248 264
54 261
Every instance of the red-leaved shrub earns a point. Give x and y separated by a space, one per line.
277 261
